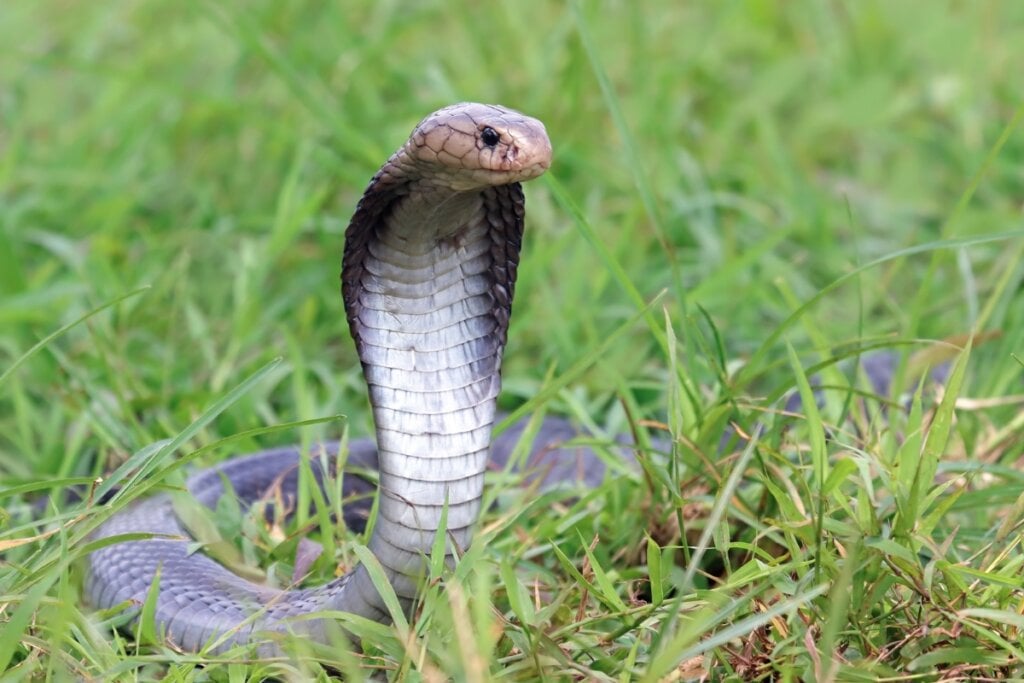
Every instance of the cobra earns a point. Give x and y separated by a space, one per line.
428 276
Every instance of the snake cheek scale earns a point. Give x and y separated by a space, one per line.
428 276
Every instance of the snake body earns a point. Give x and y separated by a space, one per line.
428 276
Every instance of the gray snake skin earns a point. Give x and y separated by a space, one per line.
428 276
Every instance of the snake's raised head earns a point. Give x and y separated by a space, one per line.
473 146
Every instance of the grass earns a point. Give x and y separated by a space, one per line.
801 180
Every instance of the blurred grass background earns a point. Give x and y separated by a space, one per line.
741 155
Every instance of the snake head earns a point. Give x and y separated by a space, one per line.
471 146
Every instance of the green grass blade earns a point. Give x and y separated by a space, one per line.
758 356
375 569
42 343
145 461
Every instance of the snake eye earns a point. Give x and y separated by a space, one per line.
489 136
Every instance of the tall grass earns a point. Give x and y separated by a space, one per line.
745 197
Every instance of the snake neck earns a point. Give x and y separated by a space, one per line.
428 299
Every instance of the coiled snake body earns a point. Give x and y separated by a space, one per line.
427 277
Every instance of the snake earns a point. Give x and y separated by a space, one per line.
428 275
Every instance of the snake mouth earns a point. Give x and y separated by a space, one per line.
539 167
